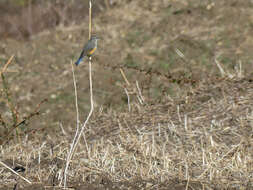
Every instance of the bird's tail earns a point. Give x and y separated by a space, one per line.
80 58
78 61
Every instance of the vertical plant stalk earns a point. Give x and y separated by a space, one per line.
8 94
9 99
90 24
128 99
79 131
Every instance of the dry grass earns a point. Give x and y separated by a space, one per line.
201 139
201 142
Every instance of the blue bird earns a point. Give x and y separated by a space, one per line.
89 49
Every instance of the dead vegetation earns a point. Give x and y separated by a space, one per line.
198 138
203 141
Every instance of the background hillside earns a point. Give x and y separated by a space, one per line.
194 128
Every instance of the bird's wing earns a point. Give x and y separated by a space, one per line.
87 48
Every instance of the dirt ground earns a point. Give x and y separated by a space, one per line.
192 61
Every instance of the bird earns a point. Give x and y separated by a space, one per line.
88 49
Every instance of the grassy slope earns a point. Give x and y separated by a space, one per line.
199 135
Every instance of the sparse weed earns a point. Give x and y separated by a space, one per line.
15 125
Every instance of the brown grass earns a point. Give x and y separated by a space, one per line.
203 141
200 138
